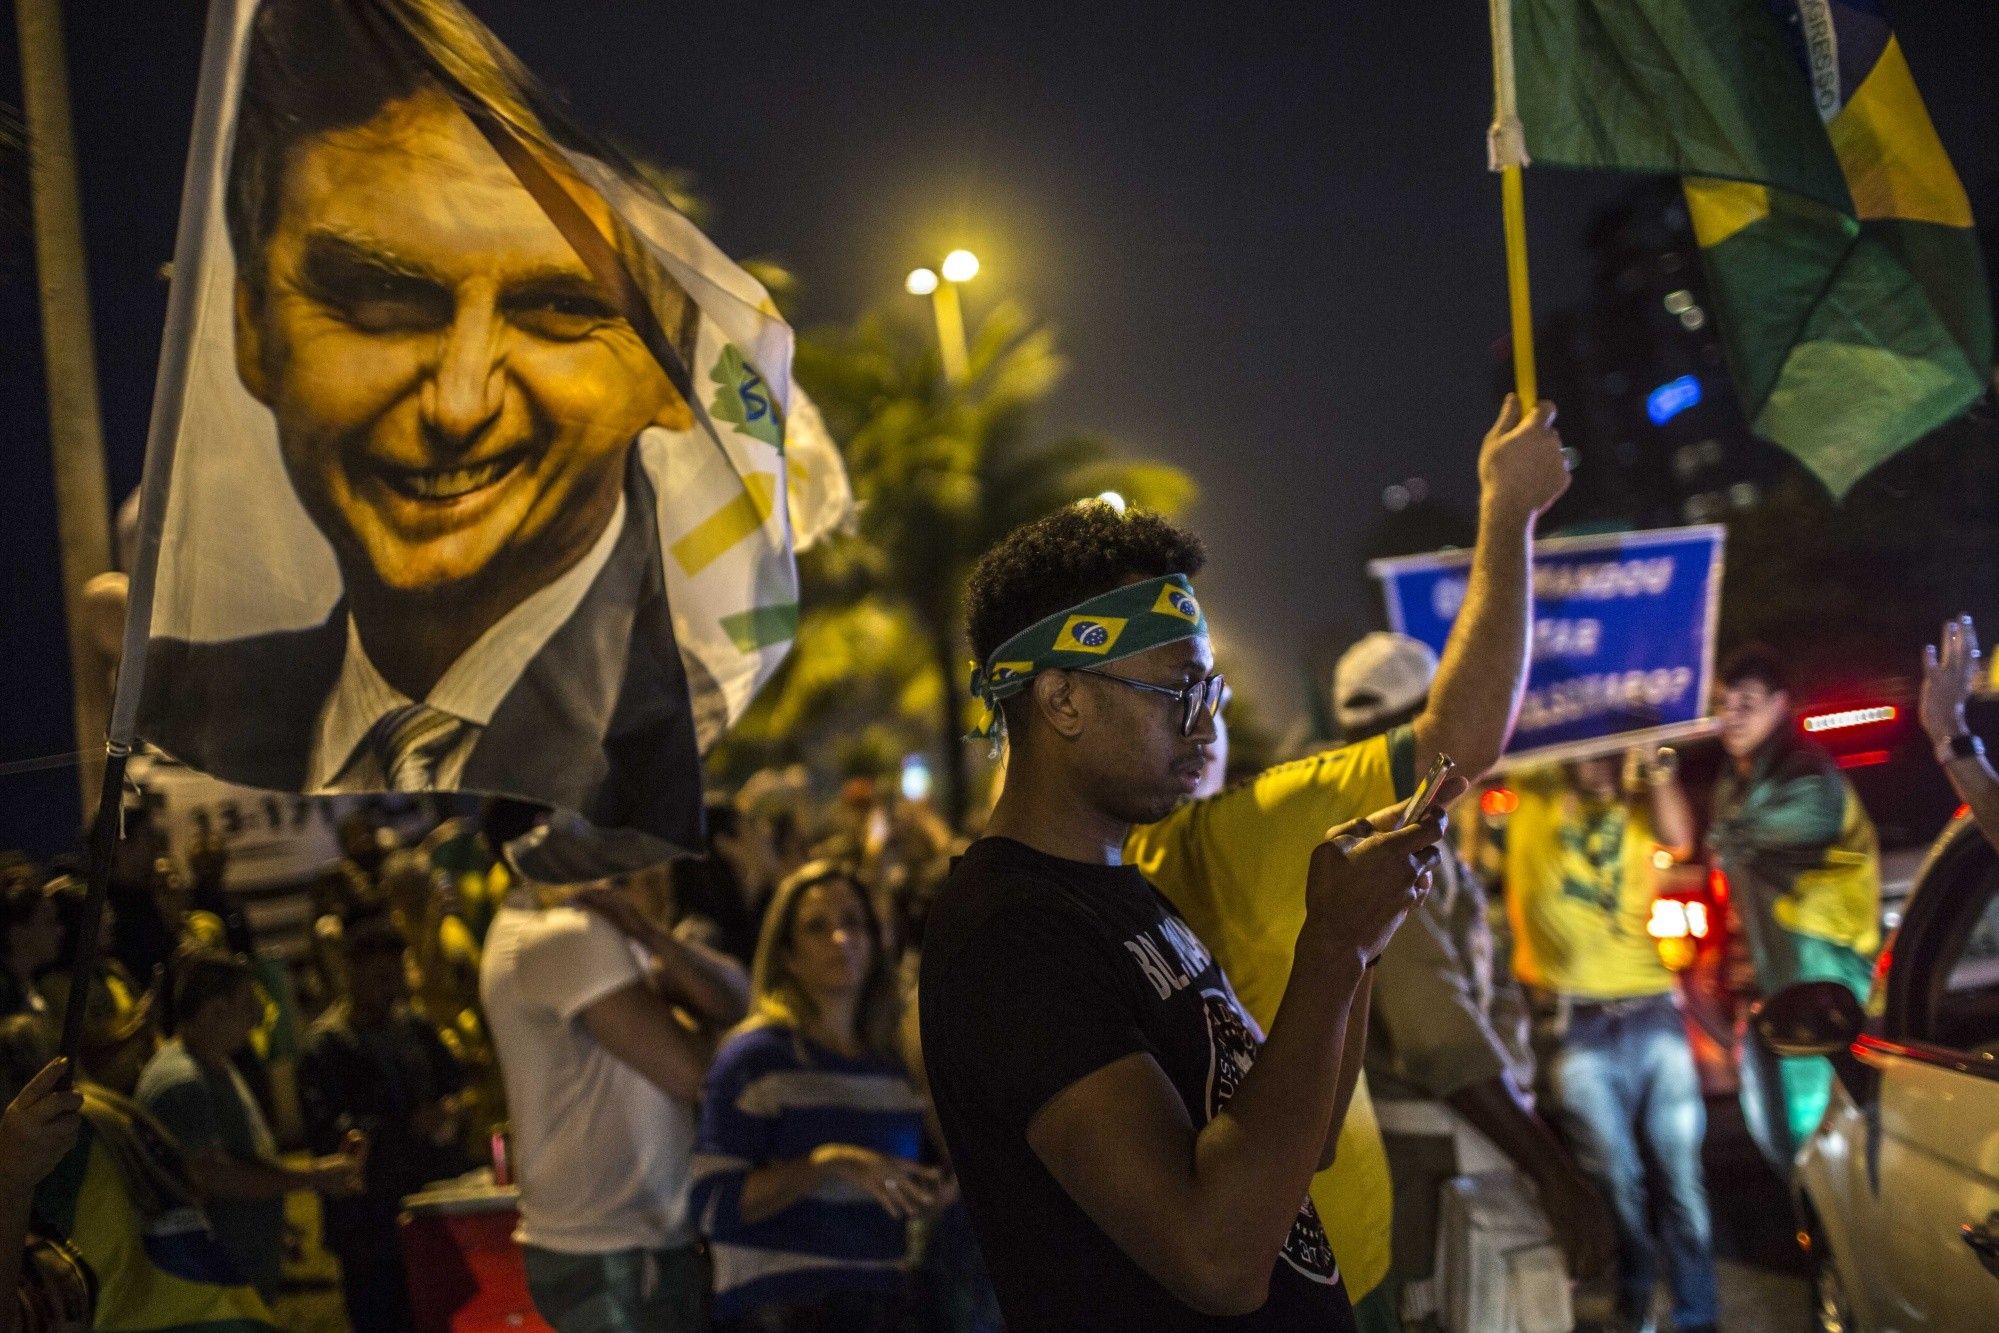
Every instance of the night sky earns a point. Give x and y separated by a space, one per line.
1265 234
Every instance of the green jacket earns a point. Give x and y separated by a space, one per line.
1803 866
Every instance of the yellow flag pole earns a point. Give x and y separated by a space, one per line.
1506 152
1513 206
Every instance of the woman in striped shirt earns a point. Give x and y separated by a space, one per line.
806 1173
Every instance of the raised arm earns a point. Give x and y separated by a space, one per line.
708 985
1673 823
36 1132
1484 668
1950 674
220 1176
640 1027
1206 1211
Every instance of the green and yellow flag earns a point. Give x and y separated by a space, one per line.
1837 238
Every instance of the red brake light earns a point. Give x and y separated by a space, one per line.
1843 718
1863 759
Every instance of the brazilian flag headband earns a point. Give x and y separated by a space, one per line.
1111 625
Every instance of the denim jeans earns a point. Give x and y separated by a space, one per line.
623 1291
1623 1079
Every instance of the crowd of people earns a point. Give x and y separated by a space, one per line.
621 1044
1153 1047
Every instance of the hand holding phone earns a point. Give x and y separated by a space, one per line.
1427 791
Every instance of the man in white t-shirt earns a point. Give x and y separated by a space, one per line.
605 1024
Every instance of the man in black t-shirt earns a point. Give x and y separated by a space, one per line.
1133 1152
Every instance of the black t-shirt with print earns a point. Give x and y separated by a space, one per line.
1037 972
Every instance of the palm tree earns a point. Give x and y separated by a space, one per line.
941 472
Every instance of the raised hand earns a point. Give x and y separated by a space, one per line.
39 1126
1950 674
1521 468
1363 881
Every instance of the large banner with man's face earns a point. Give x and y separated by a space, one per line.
478 467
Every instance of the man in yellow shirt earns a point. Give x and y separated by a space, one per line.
1232 864
1609 1040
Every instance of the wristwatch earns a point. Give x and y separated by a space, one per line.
1964 745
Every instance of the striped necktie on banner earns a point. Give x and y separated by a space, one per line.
410 743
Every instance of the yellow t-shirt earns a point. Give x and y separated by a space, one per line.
1579 887
1234 865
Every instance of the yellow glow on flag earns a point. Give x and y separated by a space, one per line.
712 536
1894 164
1719 208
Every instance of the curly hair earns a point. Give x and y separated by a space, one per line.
1070 556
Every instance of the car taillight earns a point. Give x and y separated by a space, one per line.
1863 759
1677 919
1841 719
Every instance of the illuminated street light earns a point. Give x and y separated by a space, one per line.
958 266
961 266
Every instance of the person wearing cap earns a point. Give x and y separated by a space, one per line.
1447 1049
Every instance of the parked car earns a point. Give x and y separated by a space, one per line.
1898 1189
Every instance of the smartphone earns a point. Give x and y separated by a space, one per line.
1426 791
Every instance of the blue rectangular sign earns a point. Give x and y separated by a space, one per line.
1624 628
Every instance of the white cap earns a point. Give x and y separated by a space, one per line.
1382 675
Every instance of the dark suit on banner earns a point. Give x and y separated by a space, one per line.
598 723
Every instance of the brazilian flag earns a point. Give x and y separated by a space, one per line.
121 1199
1837 239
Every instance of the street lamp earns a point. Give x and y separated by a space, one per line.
961 266
958 266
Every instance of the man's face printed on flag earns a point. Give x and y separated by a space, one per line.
455 396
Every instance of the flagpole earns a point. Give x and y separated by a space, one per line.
1506 153
199 188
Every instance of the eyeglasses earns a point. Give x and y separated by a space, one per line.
1203 697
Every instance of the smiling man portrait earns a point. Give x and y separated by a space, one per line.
457 402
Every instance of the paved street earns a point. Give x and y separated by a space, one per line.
1763 1280
1762 1275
